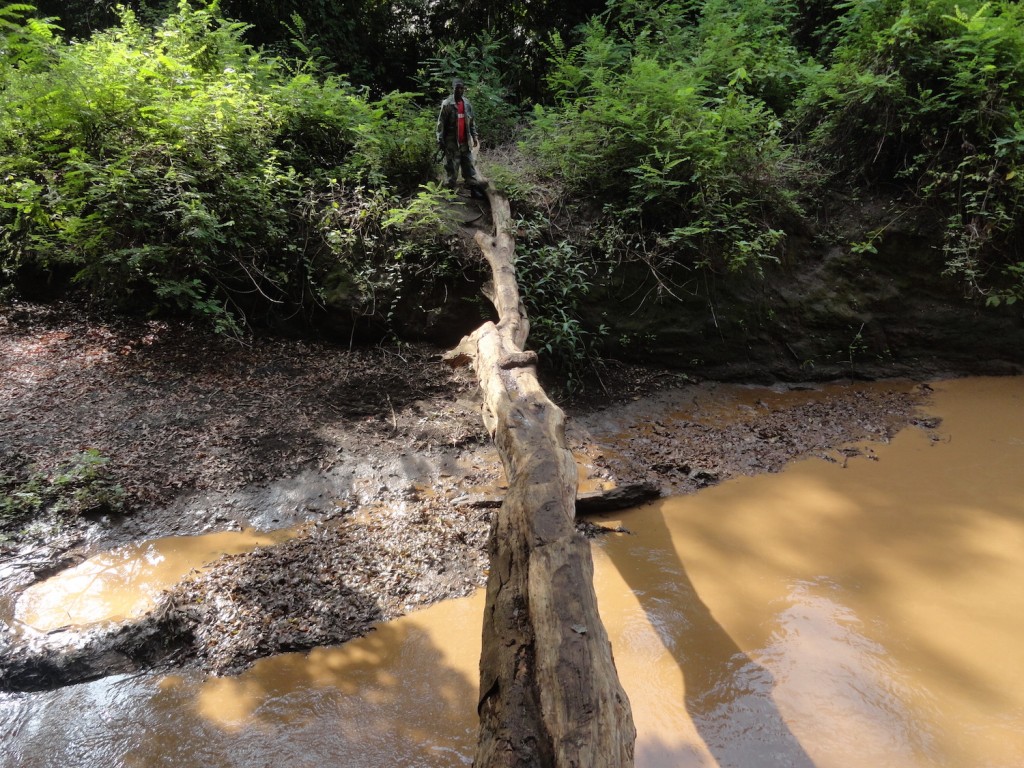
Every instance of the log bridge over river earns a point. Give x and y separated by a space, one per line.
549 691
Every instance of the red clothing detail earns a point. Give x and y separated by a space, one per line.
460 107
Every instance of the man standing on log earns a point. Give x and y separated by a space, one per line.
456 137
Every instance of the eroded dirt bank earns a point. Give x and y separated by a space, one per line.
379 457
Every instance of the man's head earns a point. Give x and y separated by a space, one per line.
458 87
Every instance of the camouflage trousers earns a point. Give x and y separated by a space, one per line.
456 157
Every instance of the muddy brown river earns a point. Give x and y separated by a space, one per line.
862 612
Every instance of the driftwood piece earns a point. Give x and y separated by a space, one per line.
591 502
623 497
549 691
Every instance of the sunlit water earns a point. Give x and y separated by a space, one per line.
125 582
870 615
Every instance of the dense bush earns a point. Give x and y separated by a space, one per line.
699 125
928 96
173 166
555 279
176 167
667 127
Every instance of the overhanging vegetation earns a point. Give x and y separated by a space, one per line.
165 164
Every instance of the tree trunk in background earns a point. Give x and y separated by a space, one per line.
549 691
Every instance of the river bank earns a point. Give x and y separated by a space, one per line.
377 458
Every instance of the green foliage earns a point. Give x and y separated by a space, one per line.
691 154
172 168
26 43
743 45
80 18
371 42
425 213
701 125
521 26
554 281
485 72
930 93
385 247
82 485
513 185
397 145
313 58
429 225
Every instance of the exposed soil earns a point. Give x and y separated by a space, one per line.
379 455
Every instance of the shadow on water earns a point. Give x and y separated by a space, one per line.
394 697
883 595
727 694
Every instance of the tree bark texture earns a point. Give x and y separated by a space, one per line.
549 691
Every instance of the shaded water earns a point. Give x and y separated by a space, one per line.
871 615
396 697
825 616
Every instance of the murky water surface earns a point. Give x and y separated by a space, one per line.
823 616
124 583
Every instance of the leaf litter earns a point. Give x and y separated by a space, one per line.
181 413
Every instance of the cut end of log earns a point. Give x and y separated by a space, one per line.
457 359
463 355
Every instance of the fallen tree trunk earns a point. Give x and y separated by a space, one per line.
549 691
